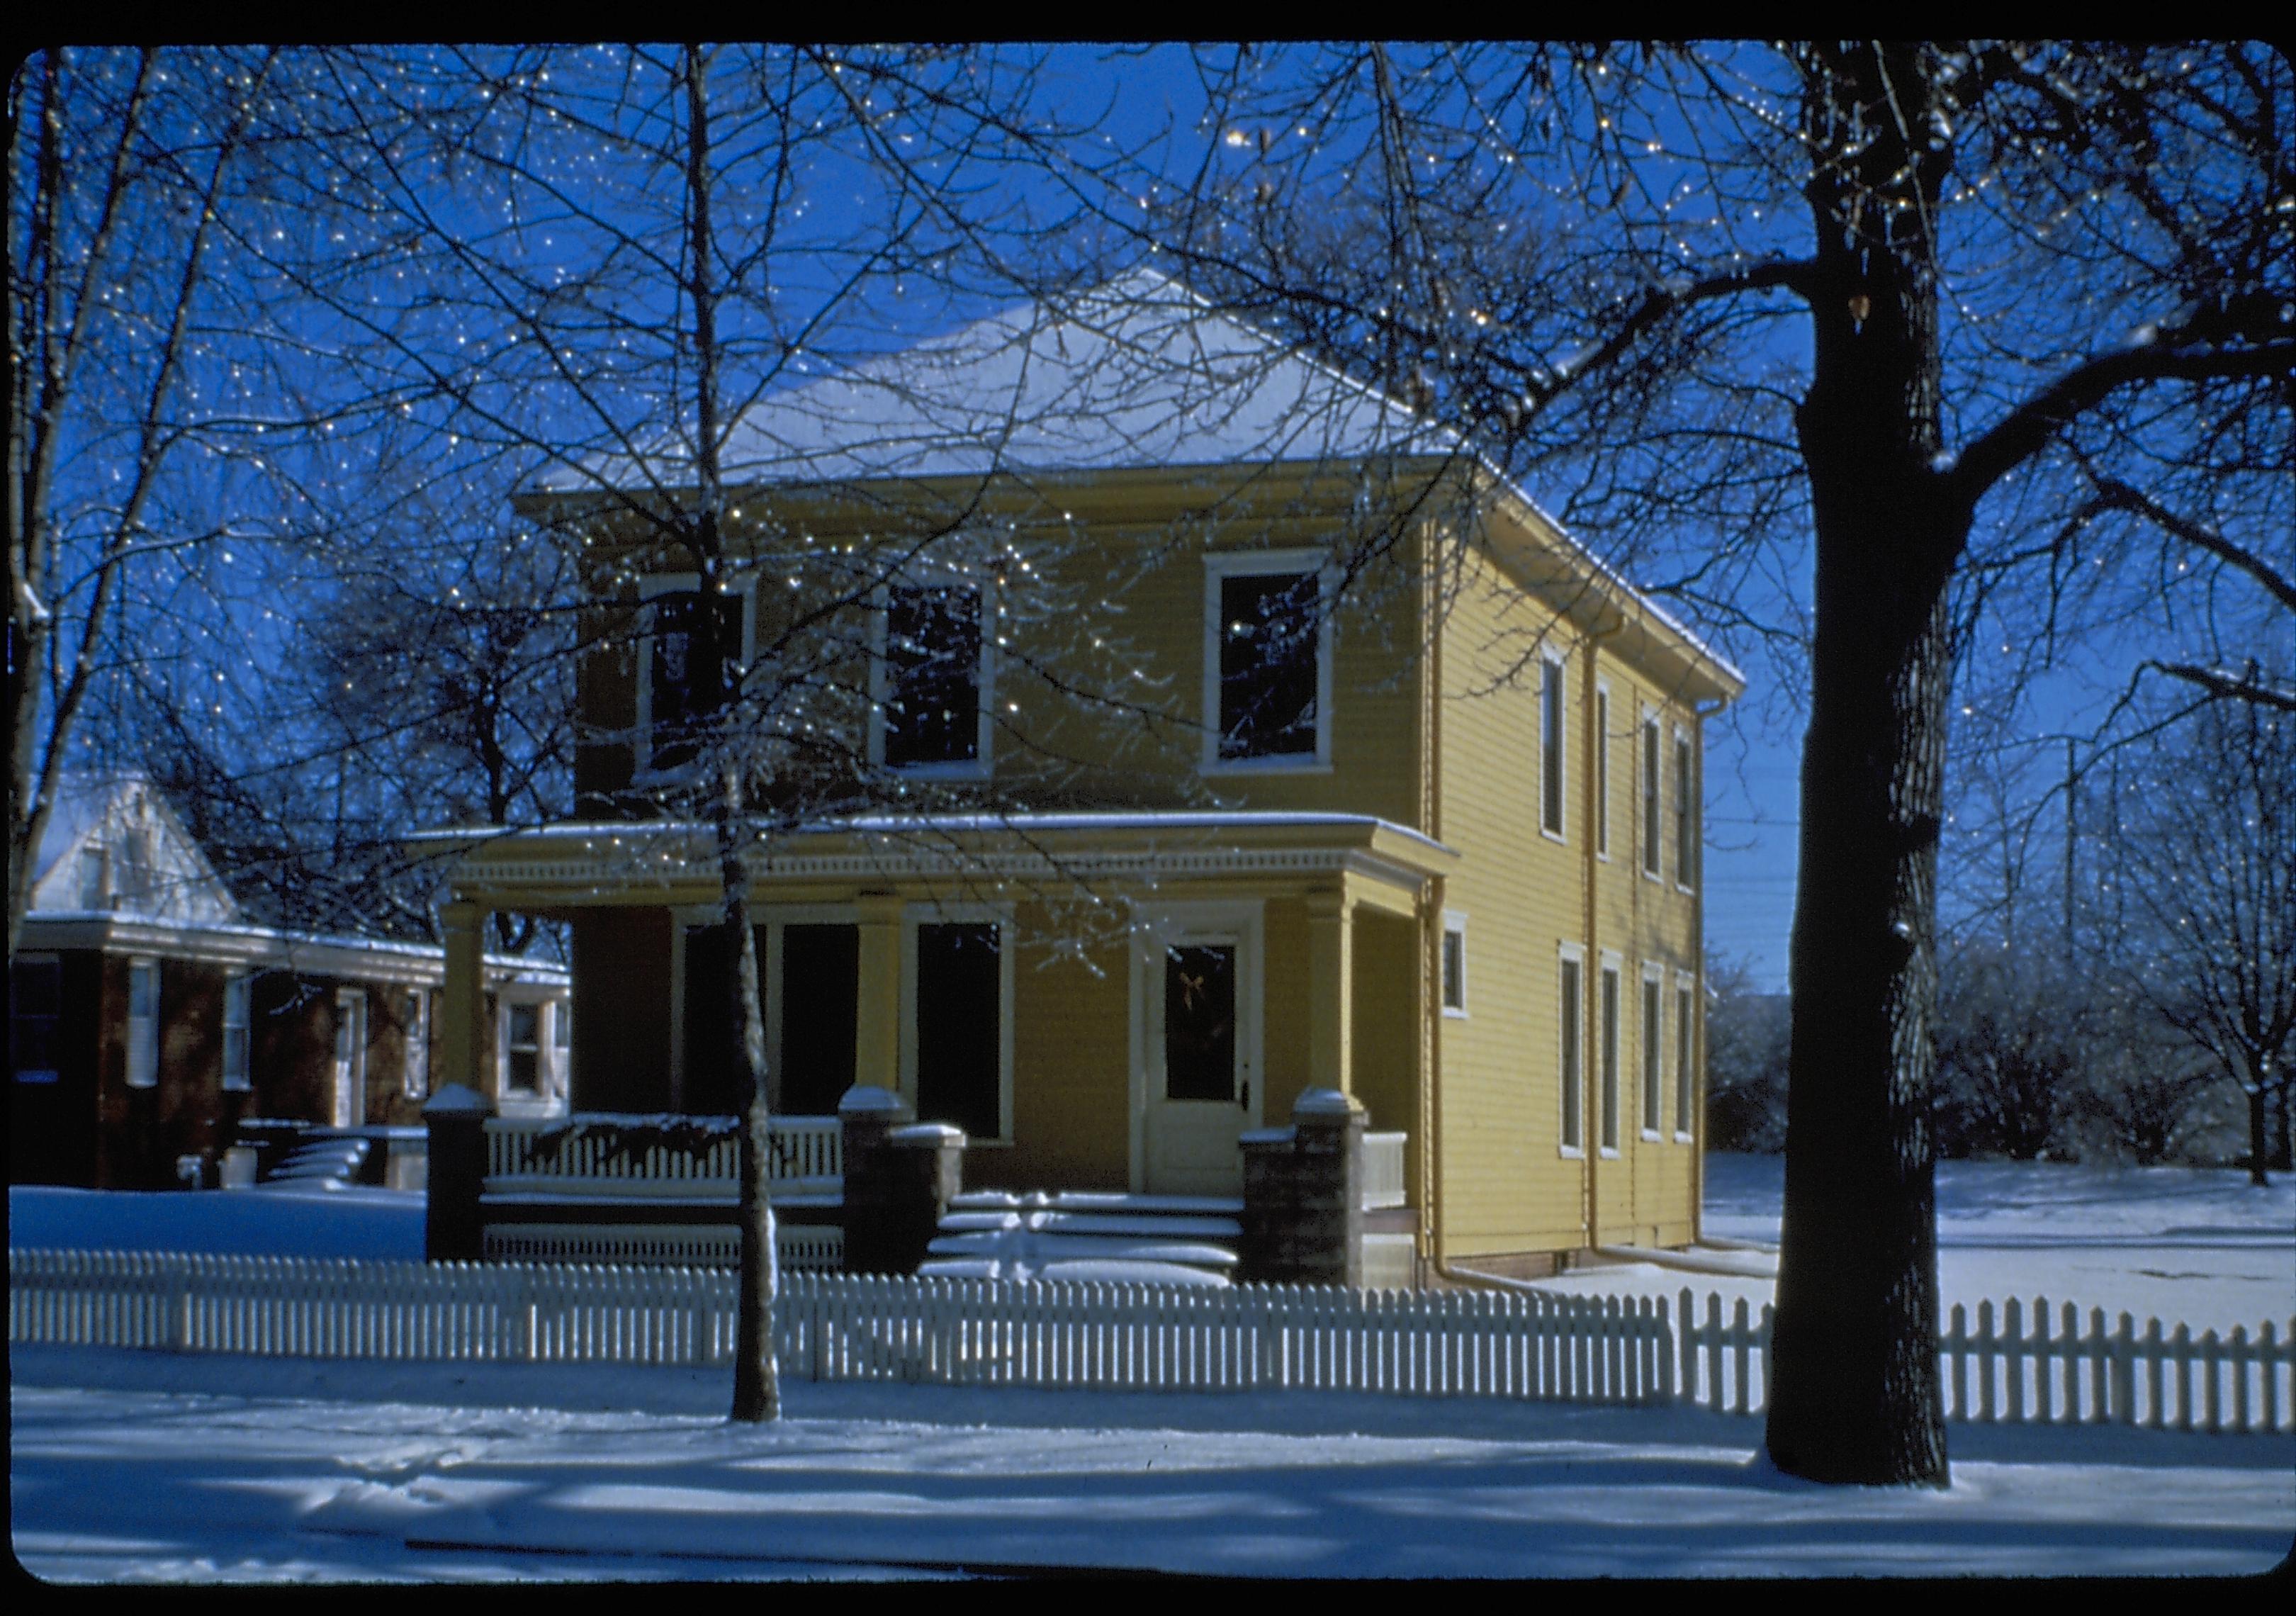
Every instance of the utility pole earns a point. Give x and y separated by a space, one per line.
2071 833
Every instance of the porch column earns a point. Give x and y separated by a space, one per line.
462 1040
1331 990
877 996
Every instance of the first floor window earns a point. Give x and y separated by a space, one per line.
1685 1005
236 988
1610 1055
142 1023
1653 1002
36 994
414 1026
522 1050
1573 1076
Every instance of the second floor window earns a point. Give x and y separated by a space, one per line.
933 679
1550 748
1267 662
1650 831
686 631
1685 813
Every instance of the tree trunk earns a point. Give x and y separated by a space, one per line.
1855 1395
2256 1136
757 1380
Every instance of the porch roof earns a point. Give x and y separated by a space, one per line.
582 865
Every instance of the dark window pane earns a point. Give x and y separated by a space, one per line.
1267 635
958 1023
683 639
932 675
35 1000
1200 1023
1550 761
821 977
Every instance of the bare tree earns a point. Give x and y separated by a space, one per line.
129 342
2211 860
1938 309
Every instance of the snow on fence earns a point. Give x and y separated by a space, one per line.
1118 1337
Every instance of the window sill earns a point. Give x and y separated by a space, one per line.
1571 1152
1686 891
1454 1013
1683 1138
242 1086
1556 837
974 771
1609 1152
1266 765
1651 1136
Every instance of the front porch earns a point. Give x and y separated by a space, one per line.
1102 1001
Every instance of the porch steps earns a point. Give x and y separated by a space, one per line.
323 1163
1087 1236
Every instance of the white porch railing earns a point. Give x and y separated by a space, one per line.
1382 1170
1118 1337
634 1157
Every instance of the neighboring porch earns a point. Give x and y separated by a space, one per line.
1103 1002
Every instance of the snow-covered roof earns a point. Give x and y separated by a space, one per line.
1139 372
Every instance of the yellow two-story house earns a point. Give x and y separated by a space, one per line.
1162 725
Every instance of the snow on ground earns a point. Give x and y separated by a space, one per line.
2197 1246
130 1466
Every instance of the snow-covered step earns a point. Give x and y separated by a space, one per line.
1050 1248
1116 1201
1094 1223
1094 1271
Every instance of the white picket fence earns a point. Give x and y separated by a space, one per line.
1116 1337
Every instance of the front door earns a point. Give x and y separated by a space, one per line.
351 1057
1196 988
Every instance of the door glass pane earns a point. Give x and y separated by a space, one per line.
1200 1022
821 979
958 1023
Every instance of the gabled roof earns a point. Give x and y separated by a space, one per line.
1138 372
94 812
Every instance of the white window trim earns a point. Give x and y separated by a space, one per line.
415 1045
1686 1084
1610 1033
1550 657
652 587
984 675
1650 764
1455 924
239 984
352 1002
1220 564
1688 812
1601 720
913 916
1572 1030
144 1030
1652 1032
505 997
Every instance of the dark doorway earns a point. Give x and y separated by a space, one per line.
959 1022
820 989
